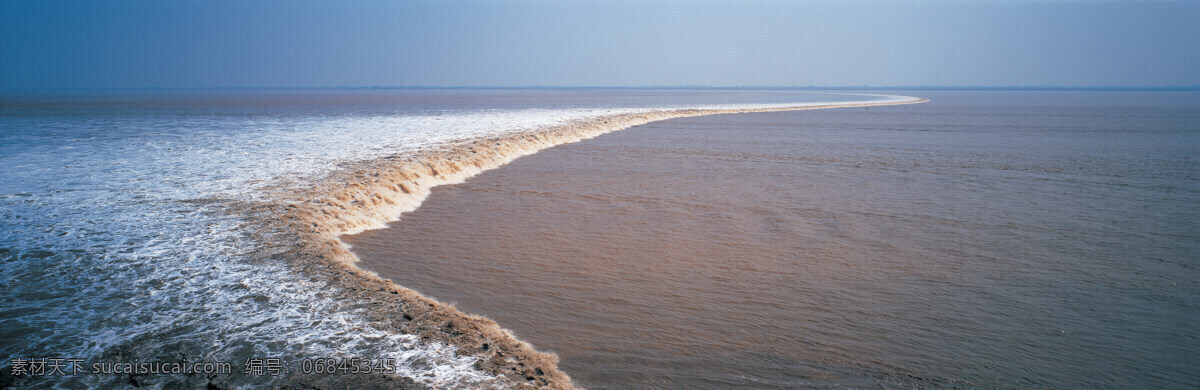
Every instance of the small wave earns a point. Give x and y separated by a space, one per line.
199 233
306 223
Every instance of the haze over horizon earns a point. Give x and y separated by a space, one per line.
69 44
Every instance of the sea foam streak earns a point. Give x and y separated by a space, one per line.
378 191
207 238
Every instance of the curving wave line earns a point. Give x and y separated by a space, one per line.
304 226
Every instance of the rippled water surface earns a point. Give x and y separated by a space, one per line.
985 239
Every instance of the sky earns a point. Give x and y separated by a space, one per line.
51 44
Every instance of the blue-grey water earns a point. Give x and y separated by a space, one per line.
987 239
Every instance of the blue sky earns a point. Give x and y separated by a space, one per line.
306 43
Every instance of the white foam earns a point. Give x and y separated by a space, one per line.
111 230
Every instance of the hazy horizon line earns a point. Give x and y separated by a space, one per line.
662 87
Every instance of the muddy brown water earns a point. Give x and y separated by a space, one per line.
986 239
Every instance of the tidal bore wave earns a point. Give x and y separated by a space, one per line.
301 226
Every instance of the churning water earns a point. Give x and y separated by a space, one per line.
986 239
125 231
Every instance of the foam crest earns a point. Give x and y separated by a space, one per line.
210 231
371 193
